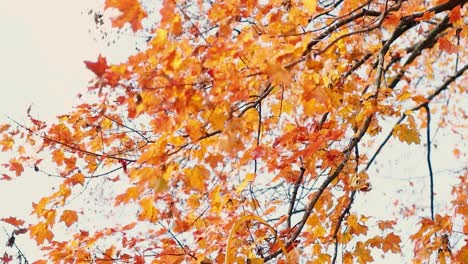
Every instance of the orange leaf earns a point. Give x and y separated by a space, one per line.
13 221
405 134
39 232
277 74
362 253
196 177
132 193
16 166
131 12
447 46
455 14
392 243
6 142
99 67
69 217
149 212
4 128
77 178
58 157
311 5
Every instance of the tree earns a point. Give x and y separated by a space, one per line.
245 131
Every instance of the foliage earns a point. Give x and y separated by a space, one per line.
237 134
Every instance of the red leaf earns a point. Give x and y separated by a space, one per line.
447 46
6 177
6 258
124 165
13 221
99 67
455 15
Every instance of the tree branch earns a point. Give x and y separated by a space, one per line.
429 164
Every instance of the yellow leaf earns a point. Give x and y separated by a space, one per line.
218 118
310 5
40 233
132 193
248 178
160 39
149 212
405 134
196 177
57 156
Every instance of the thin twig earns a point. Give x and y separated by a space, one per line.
429 164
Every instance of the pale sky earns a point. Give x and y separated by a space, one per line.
42 48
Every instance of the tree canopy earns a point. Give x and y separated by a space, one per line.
244 131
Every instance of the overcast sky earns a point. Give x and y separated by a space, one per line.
42 48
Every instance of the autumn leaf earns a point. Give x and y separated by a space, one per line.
248 178
310 5
132 193
6 142
131 12
196 177
447 46
13 221
99 67
391 243
362 253
16 166
6 258
406 134
77 178
149 211
69 217
40 233
278 74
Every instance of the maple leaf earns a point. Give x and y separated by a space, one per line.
310 5
362 253
447 46
40 233
69 217
16 166
196 177
99 67
149 212
6 177
391 242
6 258
13 221
6 142
248 178
77 178
455 15
278 74
131 12
4 127
132 193
406 134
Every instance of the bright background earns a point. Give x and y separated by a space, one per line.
42 48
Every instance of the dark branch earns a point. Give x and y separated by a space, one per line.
429 164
